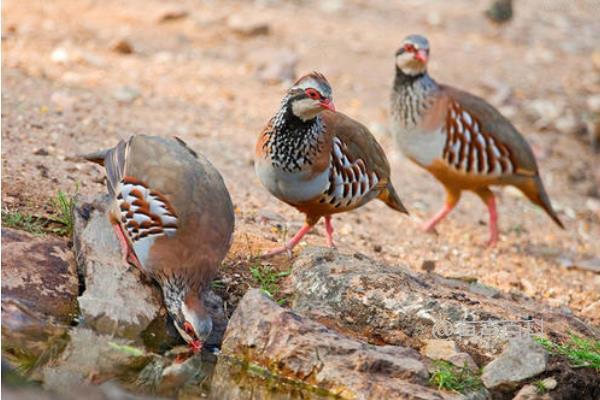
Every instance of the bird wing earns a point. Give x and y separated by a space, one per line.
359 169
480 140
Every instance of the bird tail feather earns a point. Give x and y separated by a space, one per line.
389 196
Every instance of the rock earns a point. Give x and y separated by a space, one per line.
60 55
39 274
544 111
262 333
281 68
126 94
116 298
90 354
428 265
171 13
438 349
533 392
447 350
248 26
393 305
522 359
122 46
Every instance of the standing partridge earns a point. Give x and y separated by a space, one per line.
320 161
174 219
459 138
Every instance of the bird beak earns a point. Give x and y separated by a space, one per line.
328 104
196 346
421 55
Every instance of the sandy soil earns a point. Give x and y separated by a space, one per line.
65 90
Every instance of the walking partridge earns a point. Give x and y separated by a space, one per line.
459 138
320 161
174 219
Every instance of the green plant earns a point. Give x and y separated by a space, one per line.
268 279
63 206
16 219
540 386
580 352
450 377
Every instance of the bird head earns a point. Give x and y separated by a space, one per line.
413 54
310 95
191 319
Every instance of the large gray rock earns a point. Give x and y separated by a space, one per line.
117 299
39 293
522 359
39 274
393 305
288 345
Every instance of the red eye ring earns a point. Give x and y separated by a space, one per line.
409 47
313 94
187 327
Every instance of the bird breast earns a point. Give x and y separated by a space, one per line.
294 187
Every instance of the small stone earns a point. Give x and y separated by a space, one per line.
463 360
171 13
122 46
60 55
593 103
41 152
282 68
439 349
247 26
522 359
428 266
63 101
126 94
377 248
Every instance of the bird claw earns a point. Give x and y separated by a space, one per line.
277 251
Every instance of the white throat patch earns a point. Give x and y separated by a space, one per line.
409 65
306 109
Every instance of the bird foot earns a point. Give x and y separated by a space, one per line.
429 228
277 251
492 242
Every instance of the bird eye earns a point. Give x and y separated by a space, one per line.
409 47
313 94
187 327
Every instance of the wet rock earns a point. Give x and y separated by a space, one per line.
38 274
282 68
116 298
392 304
294 347
522 359
248 26
91 357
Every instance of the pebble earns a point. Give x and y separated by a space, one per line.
247 26
126 94
171 13
122 46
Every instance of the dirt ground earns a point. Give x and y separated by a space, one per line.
66 91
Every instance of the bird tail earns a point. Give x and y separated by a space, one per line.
535 191
389 196
97 157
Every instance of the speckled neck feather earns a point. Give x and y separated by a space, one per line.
291 142
412 95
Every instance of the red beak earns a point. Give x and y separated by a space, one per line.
422 56
328 104
195 346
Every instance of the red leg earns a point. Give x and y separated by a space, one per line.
487 196
127 252
491 203
329 231
452 198
291 244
